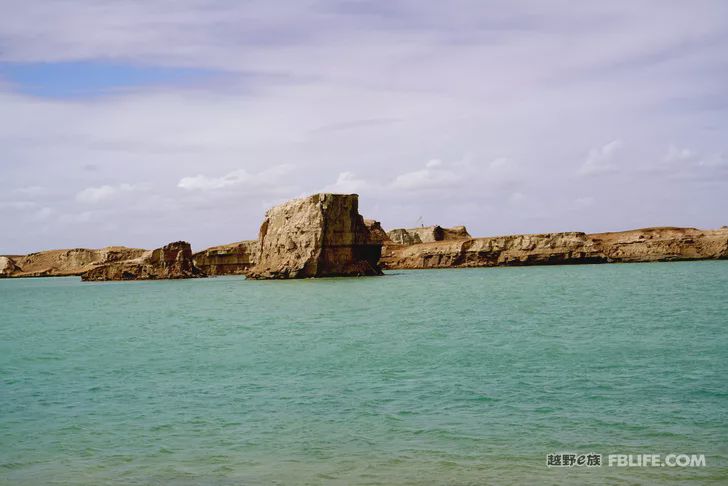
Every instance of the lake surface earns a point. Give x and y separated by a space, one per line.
468 376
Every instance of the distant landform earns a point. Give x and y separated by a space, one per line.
324 235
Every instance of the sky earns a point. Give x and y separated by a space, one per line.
143 122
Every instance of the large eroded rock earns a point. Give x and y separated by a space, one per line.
172 261
322 235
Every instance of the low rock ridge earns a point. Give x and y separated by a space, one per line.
322 235
642 245
231 259
172 261
63 263
427 234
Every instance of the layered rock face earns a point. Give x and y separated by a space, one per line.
322 235
427 234
644 245
172 261
61 263
663 244
541 249
232 259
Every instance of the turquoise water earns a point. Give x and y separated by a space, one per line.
420 377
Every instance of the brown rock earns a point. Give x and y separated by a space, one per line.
663 244
7 266
550 248
322 235
427 234
643 245
232 259
172 261
75 261
376 231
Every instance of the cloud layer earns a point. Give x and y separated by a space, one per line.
504 116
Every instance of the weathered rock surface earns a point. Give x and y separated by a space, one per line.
427 234
322 235
643 245
663 244
232 259
376 232
7 266
172 261
60 263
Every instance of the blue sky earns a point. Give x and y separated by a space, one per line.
140 123
87 78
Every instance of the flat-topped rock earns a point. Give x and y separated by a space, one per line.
322 235
232 259
426 234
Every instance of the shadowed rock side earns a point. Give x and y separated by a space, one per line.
61 263
376 232
427 234
322 235
232 259
643 245
172 261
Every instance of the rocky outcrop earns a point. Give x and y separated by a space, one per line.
427 234
644 245
537 249
232 259
7 266
376 232
61 263
318 236
663 244
172 261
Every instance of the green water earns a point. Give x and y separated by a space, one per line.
419 377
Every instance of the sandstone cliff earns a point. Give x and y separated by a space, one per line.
318 236
232 259
59 263
663 244
427 234
643 245
172 261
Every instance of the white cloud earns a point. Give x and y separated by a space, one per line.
678 155
268 177
93 195
584 202
348 183
18 205
43 213
431 177
362 102
601 159
76 218
517 198
32 191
